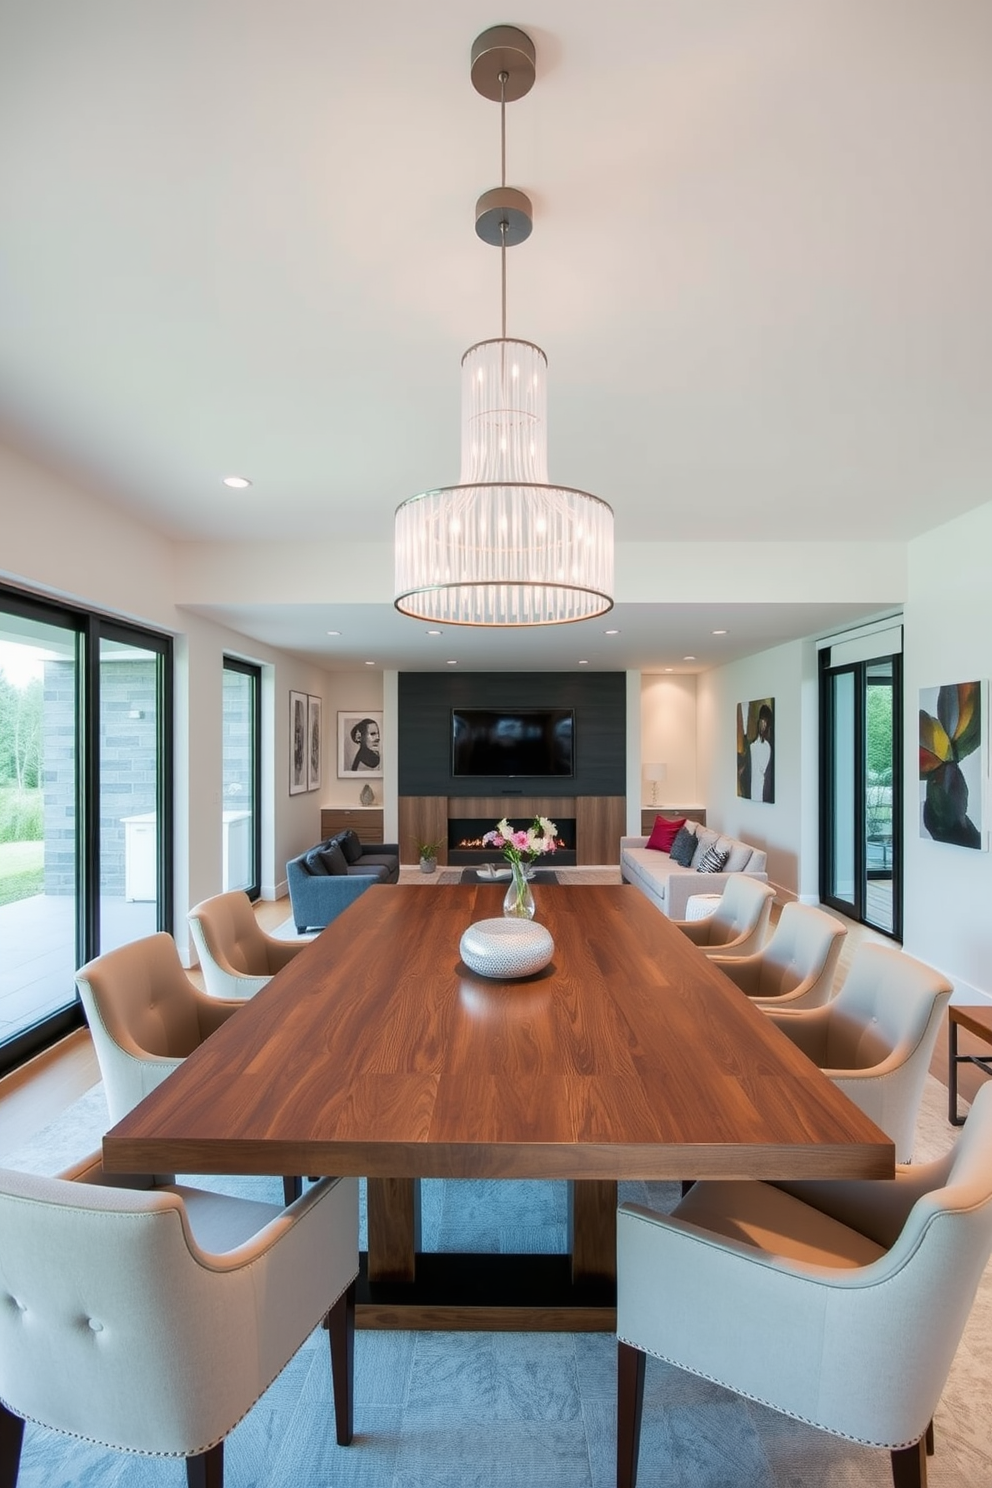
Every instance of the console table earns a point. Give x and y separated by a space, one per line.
365 822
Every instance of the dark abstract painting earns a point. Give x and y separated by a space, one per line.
952 763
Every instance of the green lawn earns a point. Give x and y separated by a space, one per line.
22 870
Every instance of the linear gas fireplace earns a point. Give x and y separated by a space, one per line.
466 848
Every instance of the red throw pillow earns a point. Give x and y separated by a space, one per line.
666 829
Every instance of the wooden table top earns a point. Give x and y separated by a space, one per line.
977 1019
376 1052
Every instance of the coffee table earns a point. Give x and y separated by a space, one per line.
539 876
376 1052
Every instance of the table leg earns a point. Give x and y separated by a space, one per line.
592 1229
394 1228
952 1073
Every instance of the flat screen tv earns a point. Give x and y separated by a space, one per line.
512 741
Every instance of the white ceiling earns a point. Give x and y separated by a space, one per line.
237 237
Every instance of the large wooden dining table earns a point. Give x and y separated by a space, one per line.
376 1052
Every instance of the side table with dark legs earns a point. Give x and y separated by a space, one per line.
977 1021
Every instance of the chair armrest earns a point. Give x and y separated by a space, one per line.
743 971
698 931
281 952
684 882
806 1027
633 842
212 1012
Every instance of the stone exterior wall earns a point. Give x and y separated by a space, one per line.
128 751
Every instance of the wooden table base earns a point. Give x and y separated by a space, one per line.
491 1293
404 1287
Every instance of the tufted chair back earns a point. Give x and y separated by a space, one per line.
739 923
848 1298
150 1320
797 966
236 956
876 1038
145 1016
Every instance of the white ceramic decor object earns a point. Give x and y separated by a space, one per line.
506 948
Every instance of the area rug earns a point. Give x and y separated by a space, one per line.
524 1410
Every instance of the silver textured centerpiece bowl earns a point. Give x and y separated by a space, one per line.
506 948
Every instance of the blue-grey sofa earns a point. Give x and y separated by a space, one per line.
330 876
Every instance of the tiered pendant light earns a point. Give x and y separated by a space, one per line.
504 547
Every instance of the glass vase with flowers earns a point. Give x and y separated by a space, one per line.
520 848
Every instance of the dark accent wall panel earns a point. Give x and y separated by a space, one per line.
598 700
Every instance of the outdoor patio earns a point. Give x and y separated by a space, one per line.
38 952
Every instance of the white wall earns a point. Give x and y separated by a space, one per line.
350 692
668 737
948 638
787 829
62 541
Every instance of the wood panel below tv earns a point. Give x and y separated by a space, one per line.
600 821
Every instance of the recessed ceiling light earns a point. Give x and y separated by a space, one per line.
583 663
611 632
435 632
333 632
236 482
669 669
688 658
452 663
370 663
719 632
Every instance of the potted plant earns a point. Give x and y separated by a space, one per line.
428 856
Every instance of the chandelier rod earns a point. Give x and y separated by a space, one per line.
504 75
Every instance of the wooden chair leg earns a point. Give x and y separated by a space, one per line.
206 1470
909 1466
11 1437
928 1438
291 1189
630 1403
340 1322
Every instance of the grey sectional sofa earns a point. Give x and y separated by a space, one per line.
670 887
327 878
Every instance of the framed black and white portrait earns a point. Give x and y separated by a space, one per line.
297 743
359 745
314 742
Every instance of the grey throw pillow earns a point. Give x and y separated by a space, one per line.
314 862
334 860
705 839
683 847
738 854
350 846
712 861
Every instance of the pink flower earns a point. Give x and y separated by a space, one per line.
494 839
520 841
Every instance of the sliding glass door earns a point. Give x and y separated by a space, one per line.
85 805
242 822
860 829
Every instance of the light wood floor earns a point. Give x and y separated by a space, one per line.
38 1092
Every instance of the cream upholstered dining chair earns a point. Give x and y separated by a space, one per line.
145 1017
738 925
150 1319
236 956
848 1299
796 966
875 1039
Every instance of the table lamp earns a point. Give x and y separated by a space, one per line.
654 773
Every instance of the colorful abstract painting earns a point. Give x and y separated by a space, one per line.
756 750
953 745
